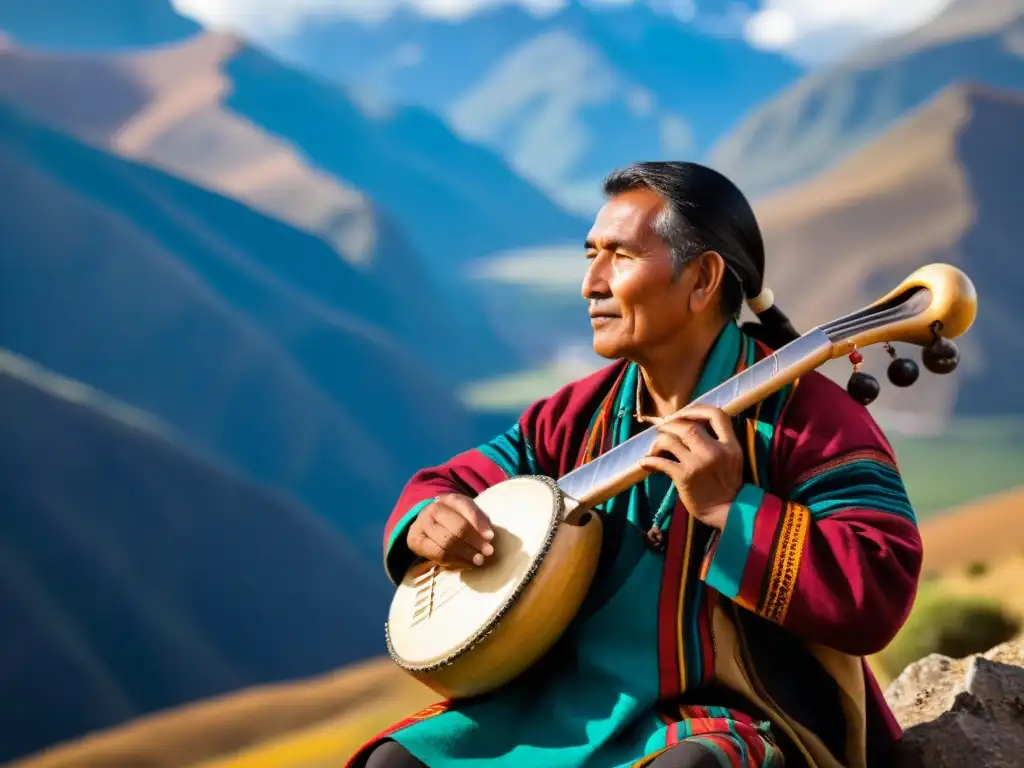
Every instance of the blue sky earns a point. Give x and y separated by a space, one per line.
812 32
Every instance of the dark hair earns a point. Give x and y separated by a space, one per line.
704 211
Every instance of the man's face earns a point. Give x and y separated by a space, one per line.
635 305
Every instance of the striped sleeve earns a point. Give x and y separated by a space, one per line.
507 455
832 552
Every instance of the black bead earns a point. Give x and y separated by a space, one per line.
941 357
863 387
903 372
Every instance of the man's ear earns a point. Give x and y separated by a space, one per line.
710 268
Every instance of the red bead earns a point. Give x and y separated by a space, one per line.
856 357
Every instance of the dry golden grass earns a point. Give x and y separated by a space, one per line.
987 530
319 723
309 723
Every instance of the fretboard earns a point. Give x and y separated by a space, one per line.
618 469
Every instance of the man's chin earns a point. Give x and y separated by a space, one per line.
607 348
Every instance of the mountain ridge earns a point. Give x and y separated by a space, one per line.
193 309
826 116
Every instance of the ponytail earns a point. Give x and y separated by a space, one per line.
774 329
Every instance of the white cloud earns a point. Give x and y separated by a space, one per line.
811 31
408 55
676 138
280 16
817 31
640 101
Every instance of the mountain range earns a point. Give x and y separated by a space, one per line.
565 97
569 95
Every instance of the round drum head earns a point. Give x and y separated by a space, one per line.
437 613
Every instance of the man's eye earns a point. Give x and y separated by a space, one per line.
591 254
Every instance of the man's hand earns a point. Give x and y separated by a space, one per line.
452 531
706 469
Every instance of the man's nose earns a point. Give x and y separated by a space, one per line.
595 285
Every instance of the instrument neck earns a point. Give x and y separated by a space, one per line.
617 470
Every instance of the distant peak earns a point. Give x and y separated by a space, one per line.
971 92
948 110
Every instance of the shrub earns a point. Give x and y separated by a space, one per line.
950 625
977 569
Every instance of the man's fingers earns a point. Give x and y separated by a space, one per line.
469 510
447 549
659 464
424 546
467 540
670 443
692 434
718 420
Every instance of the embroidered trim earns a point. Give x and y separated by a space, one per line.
786 557
859 454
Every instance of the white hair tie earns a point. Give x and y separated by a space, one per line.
765 300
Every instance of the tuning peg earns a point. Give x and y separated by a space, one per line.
941 357
902 372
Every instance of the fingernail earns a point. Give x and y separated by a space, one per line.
488 550
478 559
488 534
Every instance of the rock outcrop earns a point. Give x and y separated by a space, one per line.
962 712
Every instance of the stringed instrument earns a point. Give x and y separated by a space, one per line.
468 632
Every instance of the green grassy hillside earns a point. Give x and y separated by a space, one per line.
971 459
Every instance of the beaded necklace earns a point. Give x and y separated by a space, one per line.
655 537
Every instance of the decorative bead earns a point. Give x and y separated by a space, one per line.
655 539
863 388
941 357
903 372
856 357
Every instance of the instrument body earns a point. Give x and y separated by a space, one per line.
465 633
